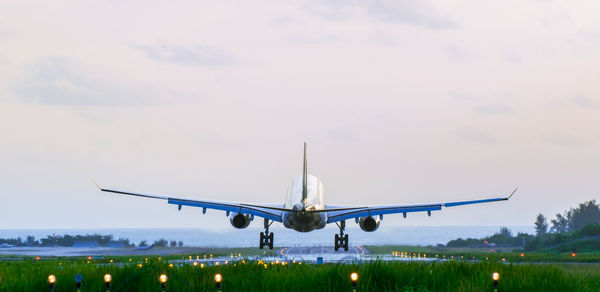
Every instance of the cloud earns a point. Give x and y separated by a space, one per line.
202 56
62 81
494 109
586 102
476 135
342 135
458 54
416 13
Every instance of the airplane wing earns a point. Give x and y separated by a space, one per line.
339 215
271 212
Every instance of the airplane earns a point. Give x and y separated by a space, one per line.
304 209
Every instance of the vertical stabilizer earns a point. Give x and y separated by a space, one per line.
304 180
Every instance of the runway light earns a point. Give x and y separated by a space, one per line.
522 254
218 280
195 264
163 281
495 277
37 258
51 282
354 278
78 280
107 280
573 254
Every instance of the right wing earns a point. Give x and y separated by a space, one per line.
271 212
335 215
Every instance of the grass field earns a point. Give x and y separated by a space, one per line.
31 275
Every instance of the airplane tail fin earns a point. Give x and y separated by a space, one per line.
304 180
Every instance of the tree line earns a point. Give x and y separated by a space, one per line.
70 240
576 229
571 220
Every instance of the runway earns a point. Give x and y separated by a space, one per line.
312 250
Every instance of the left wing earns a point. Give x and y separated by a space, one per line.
339 215
271 212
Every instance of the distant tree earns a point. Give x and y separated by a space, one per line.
173 243
586 213
180 243
505 232
31 241
541 225
560 224
160 243
143 243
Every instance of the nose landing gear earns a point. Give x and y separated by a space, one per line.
341 240
266 238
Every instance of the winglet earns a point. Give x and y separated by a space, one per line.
99 187
511 194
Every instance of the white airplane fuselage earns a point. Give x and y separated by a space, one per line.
315 200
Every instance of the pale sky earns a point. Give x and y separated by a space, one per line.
400 102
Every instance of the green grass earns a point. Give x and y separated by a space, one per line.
31 275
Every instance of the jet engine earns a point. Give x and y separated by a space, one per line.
369 223
239 220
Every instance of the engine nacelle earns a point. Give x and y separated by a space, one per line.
369 224
239 220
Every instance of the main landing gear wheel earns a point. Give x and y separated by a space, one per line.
266 238
341 240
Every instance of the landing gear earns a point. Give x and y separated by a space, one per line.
266 238
341 240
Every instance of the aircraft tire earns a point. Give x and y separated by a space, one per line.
262 240
337 242
346 242
271 240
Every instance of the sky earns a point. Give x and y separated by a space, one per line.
400 102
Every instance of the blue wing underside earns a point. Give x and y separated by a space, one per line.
334 213
335 216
